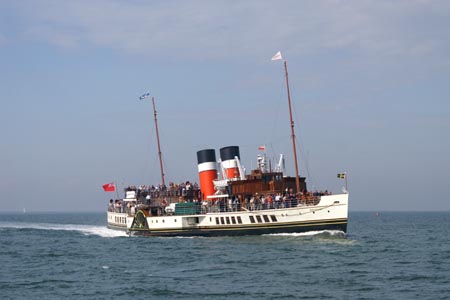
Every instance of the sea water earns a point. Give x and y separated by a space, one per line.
74 256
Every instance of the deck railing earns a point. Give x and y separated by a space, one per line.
158 208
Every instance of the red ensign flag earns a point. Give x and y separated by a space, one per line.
109 187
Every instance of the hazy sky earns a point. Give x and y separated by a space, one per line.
370 84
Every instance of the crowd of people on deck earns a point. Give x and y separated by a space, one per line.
116 206
262 201
190 192
185 189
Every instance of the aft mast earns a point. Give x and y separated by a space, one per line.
297 180
157 139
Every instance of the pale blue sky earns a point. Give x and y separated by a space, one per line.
370 83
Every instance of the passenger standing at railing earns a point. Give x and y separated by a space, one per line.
196 190
236 204
246 203
258 200
189 192
269 202
111 205
222 205
138 192
278 200
293 199
173 191
204 206
252 203
157 191
263 202
287 201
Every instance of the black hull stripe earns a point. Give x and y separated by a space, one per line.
244 230
256 226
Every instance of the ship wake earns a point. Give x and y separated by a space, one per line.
84 229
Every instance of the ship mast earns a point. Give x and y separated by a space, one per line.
157 139
297 180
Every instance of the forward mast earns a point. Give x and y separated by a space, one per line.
159 145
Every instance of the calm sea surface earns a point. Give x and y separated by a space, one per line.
74 256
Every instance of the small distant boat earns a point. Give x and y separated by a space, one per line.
261 202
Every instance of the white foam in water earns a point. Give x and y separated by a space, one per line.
311 233
85 229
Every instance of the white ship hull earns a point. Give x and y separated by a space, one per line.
119 221
331 213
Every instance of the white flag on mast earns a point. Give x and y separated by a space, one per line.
277 56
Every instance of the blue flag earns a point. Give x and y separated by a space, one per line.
146 95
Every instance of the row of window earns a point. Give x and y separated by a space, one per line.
156 221
238 220
232 219
121 220
265 217
229 220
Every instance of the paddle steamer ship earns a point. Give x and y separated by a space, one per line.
262 202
